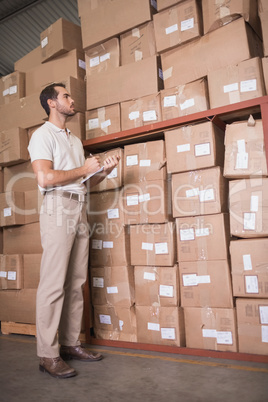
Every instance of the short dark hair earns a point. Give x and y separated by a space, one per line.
49 92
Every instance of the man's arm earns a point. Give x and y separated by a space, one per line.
109 164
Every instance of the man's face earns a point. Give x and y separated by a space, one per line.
64 102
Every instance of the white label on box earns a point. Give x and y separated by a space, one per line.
249 85
187 234
165 290
136 32
170 101
112 289
263 314
105 57
252 285
7 212
113 174
254 203
249 221
3 274
183 148
144 197
96 244
106 124
132 160
168 333
187 24
209 333
98 282
167 73
150 276
113 213
193 192
108 244
161 248
207 195
203 279
224 338
202 232
138 55
95 61
241 160
189 280
82 64
93 123
230 87
44 42
145 162
188 103
153 327
147 246
11 275
241 146
264 333
132 200
161 74
223 10
105 319
6 92
154 4
13 90
202 149
171 29
149 115
247 262
121 324
134 115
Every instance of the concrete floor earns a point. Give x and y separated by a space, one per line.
128 375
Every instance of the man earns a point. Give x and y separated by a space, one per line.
59 164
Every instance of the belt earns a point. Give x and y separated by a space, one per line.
69 195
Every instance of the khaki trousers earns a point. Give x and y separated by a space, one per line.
63 272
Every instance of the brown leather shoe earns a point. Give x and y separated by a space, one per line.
79 353
56 367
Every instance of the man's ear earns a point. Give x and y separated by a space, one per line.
51 103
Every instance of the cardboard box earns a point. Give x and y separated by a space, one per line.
203 237
265 71
30 60
31 265
13 146
77 89
146 202
244 150
110 247
211 328
144 162
229 45
162 4
60 37
19 178
193 147
115 178
153 245
141 112
22 239
112 286
160 325
102 121
12 87
106 208
32 204
199 192
102 57
178 24
103 19
77 125
206 284
249 262
263 15
11 271
70 64
248 200
236 83
138 43
252 325
12 208
18 305
157 286
119 322
184 99
216 15
131 81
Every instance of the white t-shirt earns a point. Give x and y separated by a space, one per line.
65 151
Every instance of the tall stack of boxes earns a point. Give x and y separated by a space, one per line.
178 231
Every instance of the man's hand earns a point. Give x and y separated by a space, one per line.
110 163
92 164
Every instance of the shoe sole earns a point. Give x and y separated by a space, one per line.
44 370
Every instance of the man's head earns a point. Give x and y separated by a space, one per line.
57 97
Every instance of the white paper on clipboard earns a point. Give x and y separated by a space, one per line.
91 174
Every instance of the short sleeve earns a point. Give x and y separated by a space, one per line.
41 146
